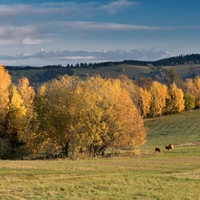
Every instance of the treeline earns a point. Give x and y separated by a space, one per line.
69 117
66 117
51 73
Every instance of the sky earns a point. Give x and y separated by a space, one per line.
36 32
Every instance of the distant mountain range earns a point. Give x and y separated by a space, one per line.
44 57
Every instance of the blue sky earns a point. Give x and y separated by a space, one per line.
160 25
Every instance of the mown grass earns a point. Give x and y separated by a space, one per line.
183 128
170 175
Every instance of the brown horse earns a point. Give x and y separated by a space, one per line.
171 146
167 148
157 150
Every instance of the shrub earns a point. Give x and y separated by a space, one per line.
5 149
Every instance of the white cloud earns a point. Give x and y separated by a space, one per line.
21 34
60 9
115 6
102 26
85 25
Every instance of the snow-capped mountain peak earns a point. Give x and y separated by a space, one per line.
64 57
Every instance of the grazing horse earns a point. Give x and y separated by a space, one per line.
157 150
167 147
171 146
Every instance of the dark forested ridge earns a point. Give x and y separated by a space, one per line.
177 60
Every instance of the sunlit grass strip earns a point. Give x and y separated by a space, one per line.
169 175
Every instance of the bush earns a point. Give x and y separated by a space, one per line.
5 149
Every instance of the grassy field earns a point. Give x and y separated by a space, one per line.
17 74
180 129
136 71
114 71
173 175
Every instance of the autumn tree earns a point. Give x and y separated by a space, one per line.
190 94
159 94
39 138
54 106
175 101
145 83
173 77
189 101
5 81
145 102
14 122
27 94
189 87
117 121
196 82
87 117
132 89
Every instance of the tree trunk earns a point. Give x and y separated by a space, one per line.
65 149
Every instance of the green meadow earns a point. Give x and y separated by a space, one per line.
134 71
181 130
173 174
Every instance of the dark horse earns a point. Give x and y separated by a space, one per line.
157 149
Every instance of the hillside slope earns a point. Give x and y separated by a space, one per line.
180 129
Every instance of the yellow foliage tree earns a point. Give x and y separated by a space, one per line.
5 81
196 82
189 87
190 94
27 94
159 94
132 88
117 121
145 102
175 102
87 116
55 111
14 121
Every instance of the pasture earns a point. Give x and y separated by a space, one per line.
17 74
134 71
173 174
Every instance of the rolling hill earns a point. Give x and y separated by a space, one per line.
186 66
